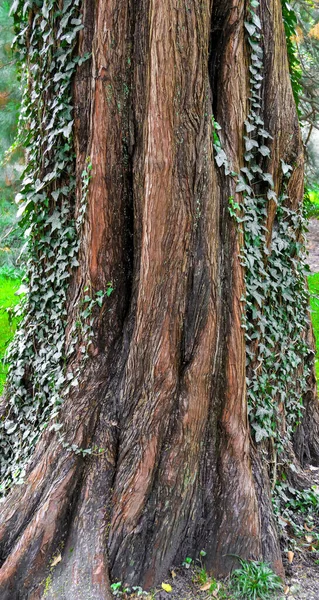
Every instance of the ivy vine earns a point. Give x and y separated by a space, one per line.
46 36
276 298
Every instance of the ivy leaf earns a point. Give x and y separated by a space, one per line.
256 20
243 187
23 289
67 129
285 167
249 127
256 48
268 177
250 144
247 172
271 195
264 150
55 427
258 120
221 158
251 28
55 221
264 133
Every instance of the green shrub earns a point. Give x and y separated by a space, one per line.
311 202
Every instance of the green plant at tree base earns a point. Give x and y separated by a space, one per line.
255 580
118 589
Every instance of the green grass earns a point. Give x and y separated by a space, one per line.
312 203
255 581
313 281
8 287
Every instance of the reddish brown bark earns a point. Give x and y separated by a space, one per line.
163 393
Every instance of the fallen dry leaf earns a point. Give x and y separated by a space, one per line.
286 590
206 586
56 560
167 587
308 538
308 528
290 555
173 574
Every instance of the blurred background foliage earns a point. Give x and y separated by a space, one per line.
301 18
11 161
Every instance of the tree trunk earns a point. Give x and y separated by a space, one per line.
161 398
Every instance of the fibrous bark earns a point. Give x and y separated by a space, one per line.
162 395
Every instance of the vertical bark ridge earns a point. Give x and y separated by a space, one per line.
104 141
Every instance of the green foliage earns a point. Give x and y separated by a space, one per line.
297 513
311 202
10 166
10 95
37 356
187 562
255 581
8 321
276 299
118 589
